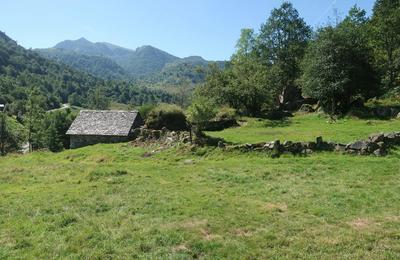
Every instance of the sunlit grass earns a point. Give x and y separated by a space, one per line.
306 128
108 201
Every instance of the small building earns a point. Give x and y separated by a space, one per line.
103 126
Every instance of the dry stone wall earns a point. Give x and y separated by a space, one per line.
377 145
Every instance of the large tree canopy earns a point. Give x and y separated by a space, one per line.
281 43
385 25
337 67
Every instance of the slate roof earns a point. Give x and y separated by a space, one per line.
103 122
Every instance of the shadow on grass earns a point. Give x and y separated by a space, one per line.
377 112
278 123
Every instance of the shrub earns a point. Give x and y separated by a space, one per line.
166 115
145 109
225 113
201 111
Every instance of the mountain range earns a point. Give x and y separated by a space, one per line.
109 61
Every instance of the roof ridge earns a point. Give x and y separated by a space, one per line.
109 111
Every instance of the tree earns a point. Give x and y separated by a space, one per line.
35 108
337 67
244 83
281 43
385 25
55 126
201 111
98 99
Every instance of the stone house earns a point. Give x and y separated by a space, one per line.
103 126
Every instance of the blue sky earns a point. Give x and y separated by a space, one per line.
209 28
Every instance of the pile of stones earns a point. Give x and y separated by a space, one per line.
163 136
377 144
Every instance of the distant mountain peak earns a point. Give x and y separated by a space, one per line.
83 39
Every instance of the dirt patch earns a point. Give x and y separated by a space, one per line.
362 223
280 207
393 218
194 223
180 248
242 232
207 235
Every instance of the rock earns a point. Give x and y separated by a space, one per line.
259 145
372 146
307 151
276 145
340 147
309 145
376 138
307 108
398 116
188 161
296 148
157 134
358 145
221 144
392 138
287 143
379 152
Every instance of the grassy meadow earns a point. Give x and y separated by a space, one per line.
306 127
116 201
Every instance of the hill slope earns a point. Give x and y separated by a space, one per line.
98 66
22 69
146 63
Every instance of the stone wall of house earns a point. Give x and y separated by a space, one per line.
77 141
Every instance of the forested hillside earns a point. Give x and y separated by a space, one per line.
146 64
98 66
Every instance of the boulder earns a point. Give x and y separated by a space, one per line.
371 147
376 138
358 145
307 108
340 147
309 145
379 152
398 116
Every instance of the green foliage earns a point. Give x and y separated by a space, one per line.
281 44
98 99
14 134
98 66
55 126
225 113
33 119
145 109
337 67
146 64
201 111
385 38
264 65
166 115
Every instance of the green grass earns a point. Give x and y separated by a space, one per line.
306 128
108 201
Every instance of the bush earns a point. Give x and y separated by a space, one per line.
166 115
145 109
225 113
201 111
